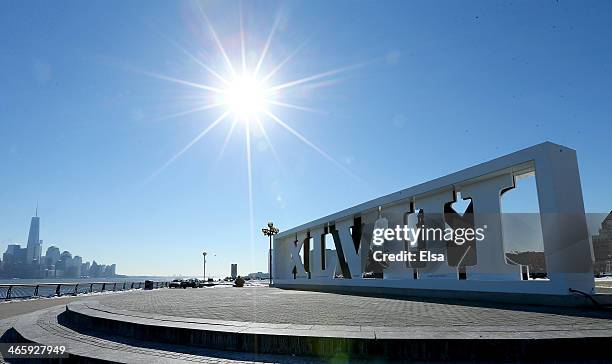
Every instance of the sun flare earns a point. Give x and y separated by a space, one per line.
251 94
245 97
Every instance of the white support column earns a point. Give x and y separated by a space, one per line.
564 230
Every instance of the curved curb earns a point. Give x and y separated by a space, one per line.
422 343
42 327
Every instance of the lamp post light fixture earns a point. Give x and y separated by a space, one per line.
270 231
204 267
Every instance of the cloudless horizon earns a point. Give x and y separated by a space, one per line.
93 114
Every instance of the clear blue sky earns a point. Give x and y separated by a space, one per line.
440 86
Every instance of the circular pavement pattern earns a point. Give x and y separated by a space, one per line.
277 306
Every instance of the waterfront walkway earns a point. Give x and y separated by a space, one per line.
43 314
207 319
19 307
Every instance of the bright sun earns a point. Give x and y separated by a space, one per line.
245 97
249 94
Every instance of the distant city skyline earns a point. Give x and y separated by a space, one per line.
29 263
95 124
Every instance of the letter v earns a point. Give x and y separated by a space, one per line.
349 256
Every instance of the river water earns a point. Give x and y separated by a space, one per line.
84 280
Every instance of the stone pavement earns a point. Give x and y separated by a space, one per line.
9 311
44 324
278 311
19 307
277 306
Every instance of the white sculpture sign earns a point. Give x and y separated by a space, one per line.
419 242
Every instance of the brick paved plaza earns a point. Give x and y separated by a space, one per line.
148 325
276 306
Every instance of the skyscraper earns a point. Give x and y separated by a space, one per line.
234 269
85 269
52 255
12 254
75 267
602 247
34 248
38 252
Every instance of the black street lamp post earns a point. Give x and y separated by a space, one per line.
204 267
270 231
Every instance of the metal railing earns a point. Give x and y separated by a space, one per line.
34 290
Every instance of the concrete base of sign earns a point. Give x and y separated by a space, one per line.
545 292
